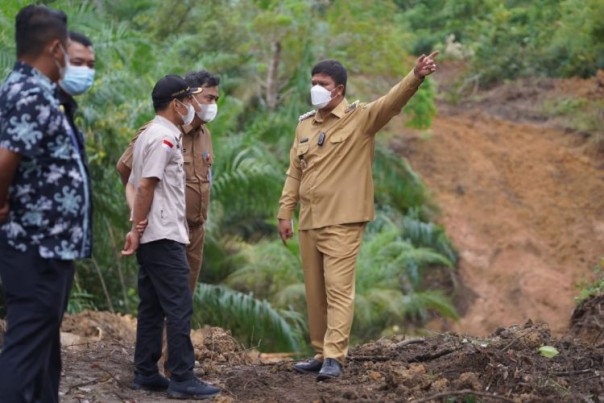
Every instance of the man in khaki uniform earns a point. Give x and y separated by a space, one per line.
198 156
330 175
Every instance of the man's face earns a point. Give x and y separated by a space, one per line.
209 95
80 55
329 84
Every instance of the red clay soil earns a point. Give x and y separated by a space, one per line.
522 202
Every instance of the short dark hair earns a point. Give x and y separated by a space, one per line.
202 78
333 69
36 26
80 38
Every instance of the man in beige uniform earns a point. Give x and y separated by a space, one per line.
163 272
198 156
330 175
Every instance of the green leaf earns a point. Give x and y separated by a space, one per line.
548 351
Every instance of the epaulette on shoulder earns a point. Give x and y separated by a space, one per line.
307 115
352 106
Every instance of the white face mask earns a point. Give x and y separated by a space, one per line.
319 96
188 118
208 112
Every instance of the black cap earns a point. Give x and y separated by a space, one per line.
170 87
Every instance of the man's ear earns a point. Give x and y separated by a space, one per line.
54 47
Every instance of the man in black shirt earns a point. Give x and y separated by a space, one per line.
79 77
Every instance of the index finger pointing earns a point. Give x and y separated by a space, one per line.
433 54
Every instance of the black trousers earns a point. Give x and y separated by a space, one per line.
163 288
36 292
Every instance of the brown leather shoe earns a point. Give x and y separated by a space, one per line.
309 366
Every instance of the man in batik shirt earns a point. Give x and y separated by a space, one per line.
44 208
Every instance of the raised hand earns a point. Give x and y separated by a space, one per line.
425 65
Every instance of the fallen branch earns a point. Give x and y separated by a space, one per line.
362 358
461 392
429 357
79 385
579 371
417 358
110 374
408 342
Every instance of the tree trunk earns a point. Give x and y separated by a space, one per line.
272 89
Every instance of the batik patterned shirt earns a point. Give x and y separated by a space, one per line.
49 197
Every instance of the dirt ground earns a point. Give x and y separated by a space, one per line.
522 199
448 367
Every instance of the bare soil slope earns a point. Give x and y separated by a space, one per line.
522 199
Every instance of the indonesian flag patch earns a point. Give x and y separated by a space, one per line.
167 145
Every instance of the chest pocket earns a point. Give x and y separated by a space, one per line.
340 137
189 168
302 149
174 170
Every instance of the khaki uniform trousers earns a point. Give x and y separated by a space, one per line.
195 254
194 258
329 256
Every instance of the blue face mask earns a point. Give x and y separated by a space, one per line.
77 79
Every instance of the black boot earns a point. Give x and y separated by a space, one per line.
331 369
310 366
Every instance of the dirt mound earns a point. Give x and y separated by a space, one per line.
506 366
95 326
587 321
217 346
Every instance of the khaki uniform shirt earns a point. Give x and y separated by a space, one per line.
158 154
198 155
333 181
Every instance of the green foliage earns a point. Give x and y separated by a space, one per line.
395 254
389 273
511 39
139 41
582 115
588 289
253 321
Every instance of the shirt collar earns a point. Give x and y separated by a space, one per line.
188 129
30 71
67 100
338 111
167 124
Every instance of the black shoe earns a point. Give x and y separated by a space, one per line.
191 389
331 369
153 383
310 366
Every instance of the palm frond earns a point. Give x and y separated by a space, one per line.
420 303
255 322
